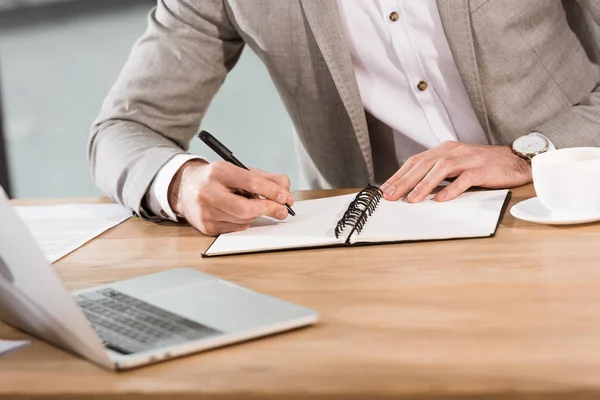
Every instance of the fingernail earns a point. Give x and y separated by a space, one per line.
413 195
281 198
390 191
281 214
442 195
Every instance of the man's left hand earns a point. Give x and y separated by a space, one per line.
493 167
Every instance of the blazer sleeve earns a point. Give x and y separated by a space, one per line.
578 125
156 106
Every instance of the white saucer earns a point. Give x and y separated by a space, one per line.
532 210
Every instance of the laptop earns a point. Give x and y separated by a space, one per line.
135 322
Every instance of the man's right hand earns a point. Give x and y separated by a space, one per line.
204 194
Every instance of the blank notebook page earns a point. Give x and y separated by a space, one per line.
313 225
472 214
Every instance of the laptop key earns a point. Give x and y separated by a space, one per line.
128 325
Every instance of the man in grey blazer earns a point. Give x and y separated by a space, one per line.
402 94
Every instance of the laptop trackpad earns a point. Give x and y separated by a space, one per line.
225 306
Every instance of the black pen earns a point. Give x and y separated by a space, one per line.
227 155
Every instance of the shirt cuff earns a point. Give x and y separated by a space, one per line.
551 145
157 197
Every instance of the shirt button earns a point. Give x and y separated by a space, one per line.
394 16
422 86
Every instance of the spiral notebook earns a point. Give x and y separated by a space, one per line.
366 218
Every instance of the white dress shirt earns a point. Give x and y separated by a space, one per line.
406 73
407 79
157 198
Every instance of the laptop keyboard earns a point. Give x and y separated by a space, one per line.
128 325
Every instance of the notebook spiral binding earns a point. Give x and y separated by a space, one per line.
359 211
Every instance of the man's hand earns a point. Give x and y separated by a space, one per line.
204 195
492 167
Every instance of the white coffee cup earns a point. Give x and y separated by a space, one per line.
568 180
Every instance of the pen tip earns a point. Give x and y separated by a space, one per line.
290 211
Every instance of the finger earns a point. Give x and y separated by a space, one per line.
461 184
220 197
434 153
444 168
238 178
404 184
247 209
283 181
407 166
268 208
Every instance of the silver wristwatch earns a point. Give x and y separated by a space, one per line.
528 146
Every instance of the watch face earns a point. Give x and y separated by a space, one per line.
530 144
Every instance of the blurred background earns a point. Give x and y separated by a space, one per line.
59 58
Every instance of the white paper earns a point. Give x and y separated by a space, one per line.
313 225
59 230
8 346
473 214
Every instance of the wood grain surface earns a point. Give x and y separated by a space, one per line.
511 317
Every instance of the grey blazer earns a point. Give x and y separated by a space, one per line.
527 66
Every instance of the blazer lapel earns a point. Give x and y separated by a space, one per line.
324 20
457 26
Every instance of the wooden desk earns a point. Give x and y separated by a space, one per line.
514 317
